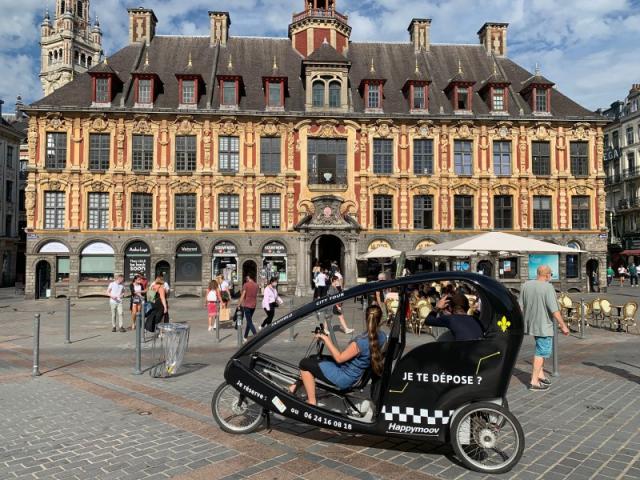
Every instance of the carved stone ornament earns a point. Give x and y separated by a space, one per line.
383 190
384 130
271 188
464 131
184 125
464 190
229 127
55 185
543 189
503 132
99 124
581 190
541 131
142 125
270 129
98 186
56 122
183 187
228 189
503 189
424 131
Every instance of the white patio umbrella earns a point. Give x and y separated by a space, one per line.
380 252
498 243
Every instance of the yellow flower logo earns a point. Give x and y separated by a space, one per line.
504 324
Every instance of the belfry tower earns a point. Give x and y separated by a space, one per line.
69 45
319 22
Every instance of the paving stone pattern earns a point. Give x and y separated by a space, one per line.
88 417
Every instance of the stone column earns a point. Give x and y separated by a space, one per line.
302 281
350 267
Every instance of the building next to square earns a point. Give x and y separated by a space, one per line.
194 156
622 169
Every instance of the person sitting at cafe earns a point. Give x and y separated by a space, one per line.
451 312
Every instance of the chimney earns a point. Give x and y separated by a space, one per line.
493 36
142 25
220 23
19 106
635 88
419 32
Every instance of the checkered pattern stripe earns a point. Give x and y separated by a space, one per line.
418 416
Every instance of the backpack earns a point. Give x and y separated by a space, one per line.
151 295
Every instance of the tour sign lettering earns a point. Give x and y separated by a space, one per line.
443 378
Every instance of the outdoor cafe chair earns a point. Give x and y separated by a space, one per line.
596 311
422 311
628 319
566 305
576 315
607 312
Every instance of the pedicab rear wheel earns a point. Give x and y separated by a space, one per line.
487 438
234 411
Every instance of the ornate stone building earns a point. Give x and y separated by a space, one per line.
198 155
70 45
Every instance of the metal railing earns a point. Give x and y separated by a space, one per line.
629 204
630 173
319 12
337 178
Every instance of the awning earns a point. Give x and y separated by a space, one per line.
630 252
380 252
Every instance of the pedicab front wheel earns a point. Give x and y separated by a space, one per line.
235 412
487 438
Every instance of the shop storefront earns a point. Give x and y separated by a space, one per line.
188 263
137 260
97 263
225 262
274 262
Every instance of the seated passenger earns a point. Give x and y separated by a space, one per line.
451 312
343 369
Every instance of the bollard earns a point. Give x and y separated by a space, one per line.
583 322
35 372
291 332
217 324
67 322
138 369
555 372
239 318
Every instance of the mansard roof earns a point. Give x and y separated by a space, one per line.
253 58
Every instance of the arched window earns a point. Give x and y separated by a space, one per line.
97 262
76 57
79 9
55 56
83 60
334 94
50 58
318 93
89 61
62 9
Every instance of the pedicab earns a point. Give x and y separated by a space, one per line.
443 391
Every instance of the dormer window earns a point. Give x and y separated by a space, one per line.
145 91
229 91
537 91
334 94
460 91
419 97
497 99
275 92
188 92
495 92
103 79
462 98
189 82
318 93
373 96
103 90
541 104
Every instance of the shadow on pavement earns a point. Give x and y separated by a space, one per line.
62 366
616 371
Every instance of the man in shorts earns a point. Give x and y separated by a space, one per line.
540 308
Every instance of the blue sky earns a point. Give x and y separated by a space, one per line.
589 48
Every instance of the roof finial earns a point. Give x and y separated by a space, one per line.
146 58
275 63
105 60
372 69
460 66
230 64
190 63
537 69
495 68
417 67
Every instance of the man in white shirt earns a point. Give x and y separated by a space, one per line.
116 292
321 283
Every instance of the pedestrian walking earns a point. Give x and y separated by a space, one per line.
334 289
595 281
225 298
115 290
270 301
633 274
540 308
248 301
321 283
137 290
314 272
622 274
213 296
610 274
160 308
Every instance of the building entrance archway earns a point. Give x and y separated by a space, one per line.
163 268
43 279
250 268
327 249
593 275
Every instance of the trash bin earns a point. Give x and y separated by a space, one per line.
173 339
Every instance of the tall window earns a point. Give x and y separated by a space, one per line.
229 96
270 155
423 212
541 158
630 139
334 94
229 161
503 212
580 212
186 153
463 211
142 153
188 91
318 93
579 159
573 261
185 211
541 100
502 158
141 211
327 161
382 212
99 144
229 212
423 157
463 157
373 97
102 90
270 212
615 139
463 98
498 99
419 97
54 211
98 211
10 156
275 94
382 156
542 212
56 150
144 91
8 194
631 163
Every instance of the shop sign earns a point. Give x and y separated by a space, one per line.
188 248
424 244
612 153
274 248
225 249
138 248
378 244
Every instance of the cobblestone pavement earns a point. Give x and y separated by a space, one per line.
88 416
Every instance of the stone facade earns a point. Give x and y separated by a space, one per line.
322 213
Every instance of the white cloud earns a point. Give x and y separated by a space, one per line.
567 38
